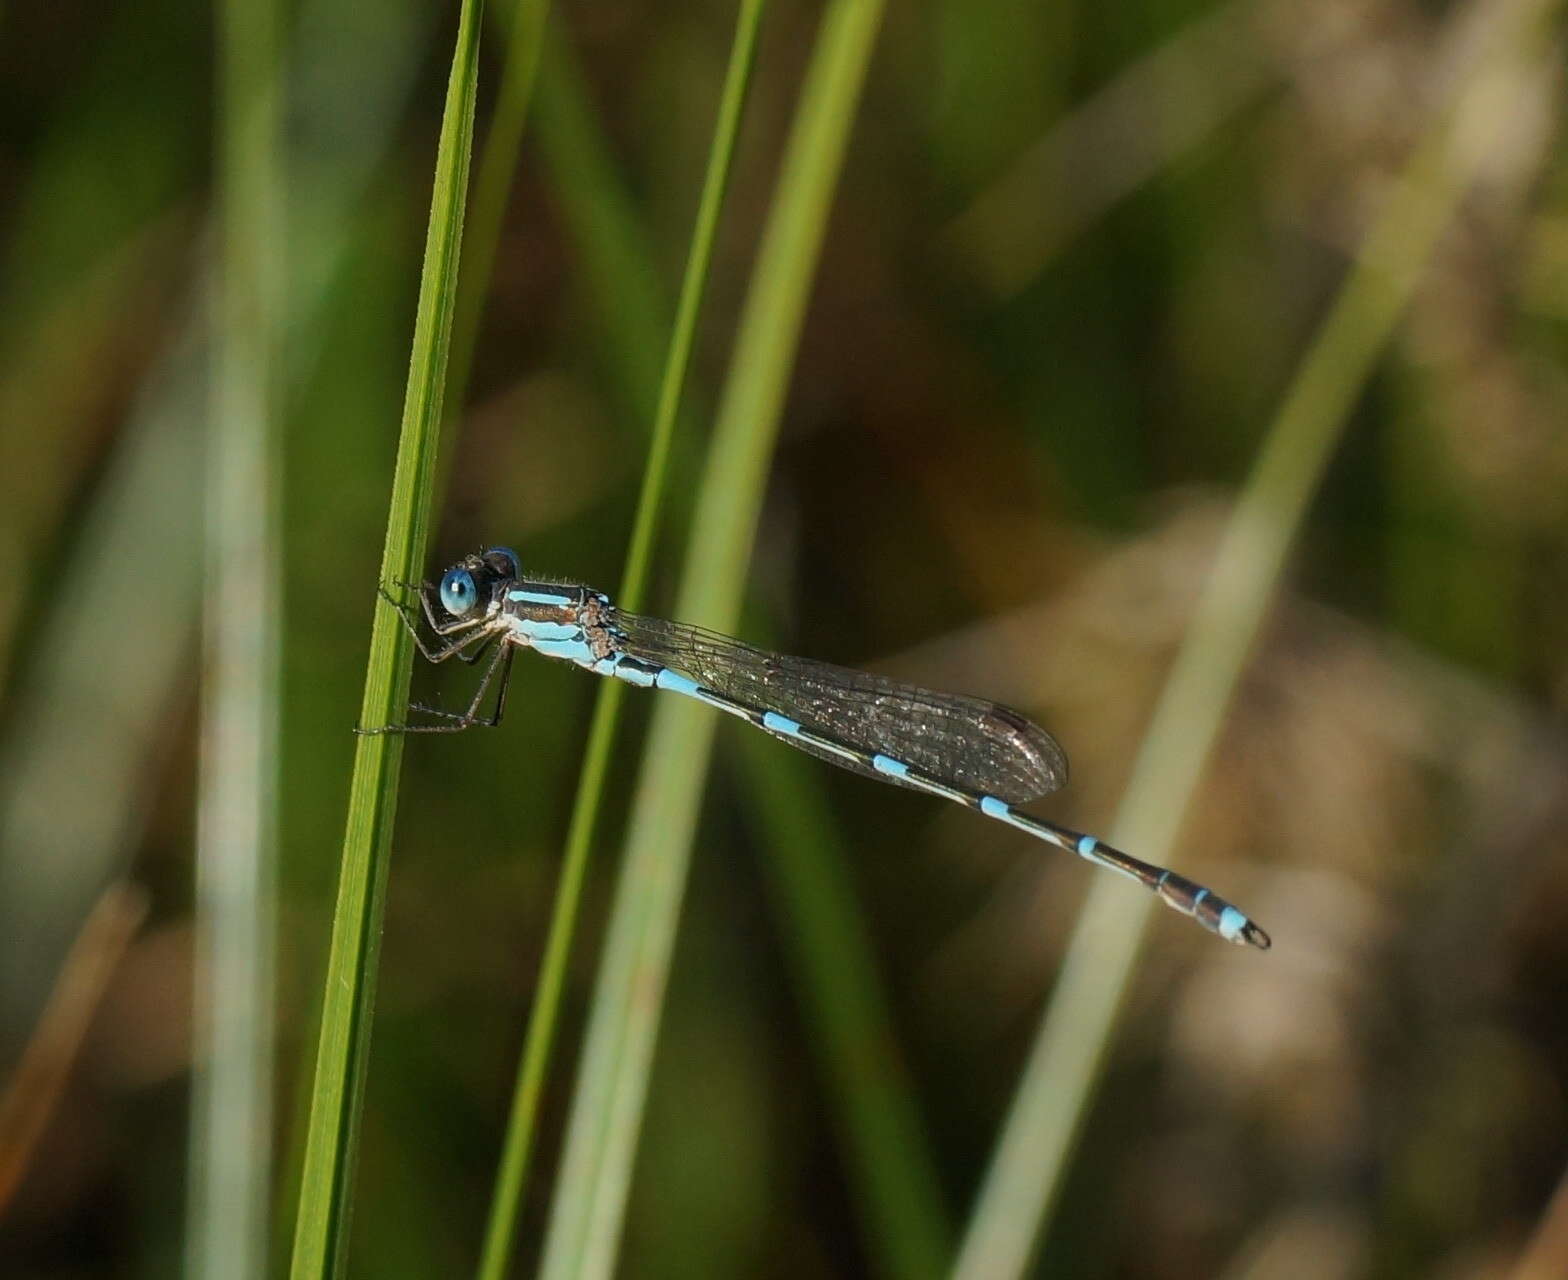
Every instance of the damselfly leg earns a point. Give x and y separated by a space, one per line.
469 643
500 661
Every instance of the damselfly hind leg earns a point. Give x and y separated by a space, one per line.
501 661
471 719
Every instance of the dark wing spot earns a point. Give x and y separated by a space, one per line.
1045 763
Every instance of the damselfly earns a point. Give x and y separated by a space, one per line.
978 753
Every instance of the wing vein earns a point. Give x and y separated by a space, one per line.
981 746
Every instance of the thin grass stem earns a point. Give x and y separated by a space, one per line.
326 1190
231 1120
1064 1066
545 1015
589 1205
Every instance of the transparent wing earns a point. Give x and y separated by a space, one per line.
967 742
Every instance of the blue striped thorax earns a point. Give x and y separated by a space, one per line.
558 619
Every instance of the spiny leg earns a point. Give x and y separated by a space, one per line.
471 658
455 648
464 720
470 719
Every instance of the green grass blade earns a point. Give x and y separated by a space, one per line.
1163 107
907 1226
613 248
737 80
544 1016
326 1189
589 1206
231 1110
493 177
1059 1079
885 1151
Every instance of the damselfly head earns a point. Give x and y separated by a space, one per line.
470 584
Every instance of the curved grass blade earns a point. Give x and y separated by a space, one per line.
38 1080
512 1176
326 1190
907 1226
613 248
589 1205
1059 1079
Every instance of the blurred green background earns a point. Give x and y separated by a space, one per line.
1077 255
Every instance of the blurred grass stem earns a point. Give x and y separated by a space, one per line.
1025 1176
848 1024
493 178
537 1046
589 1206
1136 127
231 1110
35 1086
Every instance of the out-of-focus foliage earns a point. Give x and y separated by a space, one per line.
1077 254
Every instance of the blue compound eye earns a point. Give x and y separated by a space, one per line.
458 593
504 561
